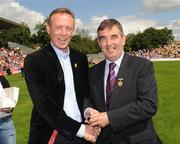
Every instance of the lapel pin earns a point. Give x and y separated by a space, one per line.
75 65
120 82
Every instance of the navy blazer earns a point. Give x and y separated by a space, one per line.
133 102
45 82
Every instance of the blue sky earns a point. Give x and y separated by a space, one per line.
135 15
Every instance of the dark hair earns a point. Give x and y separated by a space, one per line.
109 23
60 10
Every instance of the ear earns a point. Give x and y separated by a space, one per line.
98 41
74 31
123 40
48 28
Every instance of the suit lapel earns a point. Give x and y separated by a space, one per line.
123 68
55 62
121 79
56 67
100 85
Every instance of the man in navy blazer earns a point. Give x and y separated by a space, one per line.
57 81
126 116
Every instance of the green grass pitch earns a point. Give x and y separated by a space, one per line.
167 119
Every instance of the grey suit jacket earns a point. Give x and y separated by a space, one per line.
133 102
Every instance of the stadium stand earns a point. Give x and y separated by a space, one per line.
11 60
166 53
7 24
24 49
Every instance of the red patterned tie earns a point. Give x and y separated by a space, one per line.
110 83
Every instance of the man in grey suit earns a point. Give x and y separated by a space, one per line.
123 91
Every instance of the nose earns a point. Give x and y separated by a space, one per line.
109 41
63 31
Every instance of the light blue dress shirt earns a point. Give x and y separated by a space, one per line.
70 103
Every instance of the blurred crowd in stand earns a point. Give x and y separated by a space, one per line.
167 51
11 60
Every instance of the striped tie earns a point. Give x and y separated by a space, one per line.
110 83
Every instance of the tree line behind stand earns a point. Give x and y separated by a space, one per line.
82 41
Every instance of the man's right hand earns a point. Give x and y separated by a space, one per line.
91 133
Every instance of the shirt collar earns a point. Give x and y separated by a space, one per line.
59 52
117 62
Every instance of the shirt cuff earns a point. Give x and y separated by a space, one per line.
81 131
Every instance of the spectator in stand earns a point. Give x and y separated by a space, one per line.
22 69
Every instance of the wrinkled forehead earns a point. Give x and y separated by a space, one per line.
61 18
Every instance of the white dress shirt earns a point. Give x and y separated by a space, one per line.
118 64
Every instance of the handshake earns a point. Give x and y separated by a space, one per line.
94 122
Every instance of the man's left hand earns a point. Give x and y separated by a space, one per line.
99 119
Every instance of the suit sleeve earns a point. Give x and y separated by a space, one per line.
87 101
145 105
4 82
44 103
